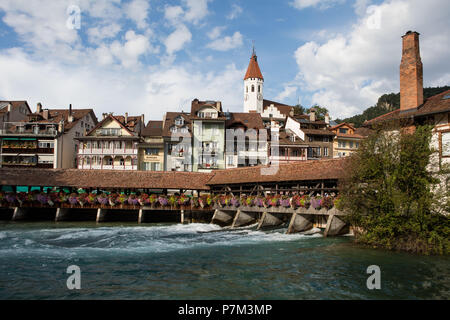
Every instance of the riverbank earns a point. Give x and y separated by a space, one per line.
203 261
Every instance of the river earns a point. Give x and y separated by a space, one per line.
203 261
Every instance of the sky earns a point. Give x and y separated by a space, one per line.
150 57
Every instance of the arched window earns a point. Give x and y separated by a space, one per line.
259 88
122 161
253 88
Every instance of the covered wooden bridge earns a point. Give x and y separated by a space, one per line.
310 178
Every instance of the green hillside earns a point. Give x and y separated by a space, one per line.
387 103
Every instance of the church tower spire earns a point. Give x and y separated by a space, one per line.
253 86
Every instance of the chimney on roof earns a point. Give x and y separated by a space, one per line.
104 115
9 107
39 107
411 72
126 117
45 114
327 118
312 115
70 117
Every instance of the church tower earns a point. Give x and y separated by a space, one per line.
253 87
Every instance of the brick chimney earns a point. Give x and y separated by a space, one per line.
45 114
70 117
411 73
39 107
312 115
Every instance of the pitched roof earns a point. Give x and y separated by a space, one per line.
253 70
318 132
153 129
169 122
129 126
196 105
283 108
104 178
435 104
14 104
56 115
248 120
293 171
341 125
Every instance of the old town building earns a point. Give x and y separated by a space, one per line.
112 144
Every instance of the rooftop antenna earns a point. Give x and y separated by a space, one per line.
253 48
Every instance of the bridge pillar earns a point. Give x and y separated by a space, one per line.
269 220
61 214
19 213
141 215
300 222
101 213
222 218
243 219
335 226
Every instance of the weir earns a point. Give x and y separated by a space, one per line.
286 181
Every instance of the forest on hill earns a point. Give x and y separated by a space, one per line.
387 103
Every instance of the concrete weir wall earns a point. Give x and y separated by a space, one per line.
222 218
270 220
242 219
300 223
335 226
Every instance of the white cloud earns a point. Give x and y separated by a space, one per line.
226 43
235 12
129 52
177 39
197 10
137 10
321 4
288 92
215 32
146 91
99 33
173 13
361 6
347 73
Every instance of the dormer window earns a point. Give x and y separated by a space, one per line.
179 121
173 129
292 138
184 130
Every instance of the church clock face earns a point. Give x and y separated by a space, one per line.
246 97
259 96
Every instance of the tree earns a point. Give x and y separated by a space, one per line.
391 195
299 110
320 111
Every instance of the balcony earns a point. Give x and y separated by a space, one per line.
106 167
27 150
108 151
29 129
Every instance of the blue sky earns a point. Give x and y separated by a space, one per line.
155 56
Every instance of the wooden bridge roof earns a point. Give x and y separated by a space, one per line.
295 171
104 179
311 170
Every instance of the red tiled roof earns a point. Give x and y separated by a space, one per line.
432 105
130 125
249 120
283 108
56 115
15 104
169 122
105 178
153 129
294 171
253 70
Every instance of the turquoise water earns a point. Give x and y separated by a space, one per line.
201 261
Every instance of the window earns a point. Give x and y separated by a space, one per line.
259 88
357 144
292 138
351 144
445 144
310 139
151 151
179 121
314 152
230 160
325 152
246 89
343 130
253 88
122 162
